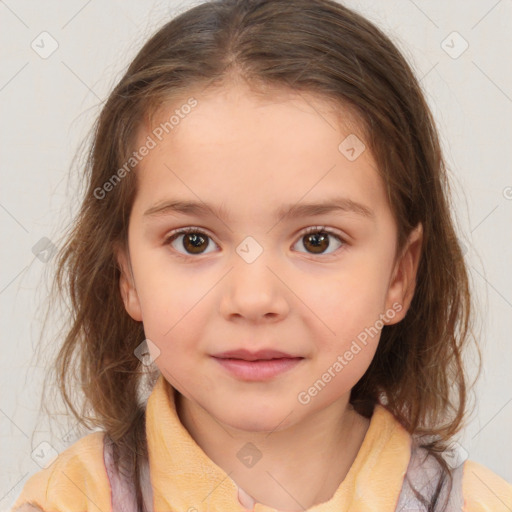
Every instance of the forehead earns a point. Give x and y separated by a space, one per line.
249 147
237 105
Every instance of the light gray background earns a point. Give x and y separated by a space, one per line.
48 105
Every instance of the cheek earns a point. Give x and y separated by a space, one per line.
350 312
170 308
177 303
347 314
353 297
166 293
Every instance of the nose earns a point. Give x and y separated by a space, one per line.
255 291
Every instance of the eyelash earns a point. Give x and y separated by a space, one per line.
313 229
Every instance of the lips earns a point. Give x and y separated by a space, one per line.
263 365
260 355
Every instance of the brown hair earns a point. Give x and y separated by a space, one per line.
315 46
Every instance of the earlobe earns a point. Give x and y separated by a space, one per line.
403 282
127 285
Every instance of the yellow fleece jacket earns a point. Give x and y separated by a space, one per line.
185 479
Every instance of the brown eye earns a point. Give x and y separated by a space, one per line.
317 240
193 241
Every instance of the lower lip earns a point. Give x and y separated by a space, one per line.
258 370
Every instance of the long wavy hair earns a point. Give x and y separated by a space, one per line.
314 46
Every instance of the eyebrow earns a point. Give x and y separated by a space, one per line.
201 209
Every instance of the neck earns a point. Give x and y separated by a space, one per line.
326 443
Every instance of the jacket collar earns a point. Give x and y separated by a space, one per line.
184 478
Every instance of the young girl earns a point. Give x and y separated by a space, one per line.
270 303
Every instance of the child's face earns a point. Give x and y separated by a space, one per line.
319 299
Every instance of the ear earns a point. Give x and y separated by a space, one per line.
403 282
127 284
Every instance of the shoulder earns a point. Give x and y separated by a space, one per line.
484 490
75 480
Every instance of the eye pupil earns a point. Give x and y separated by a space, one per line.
320 241
196 241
